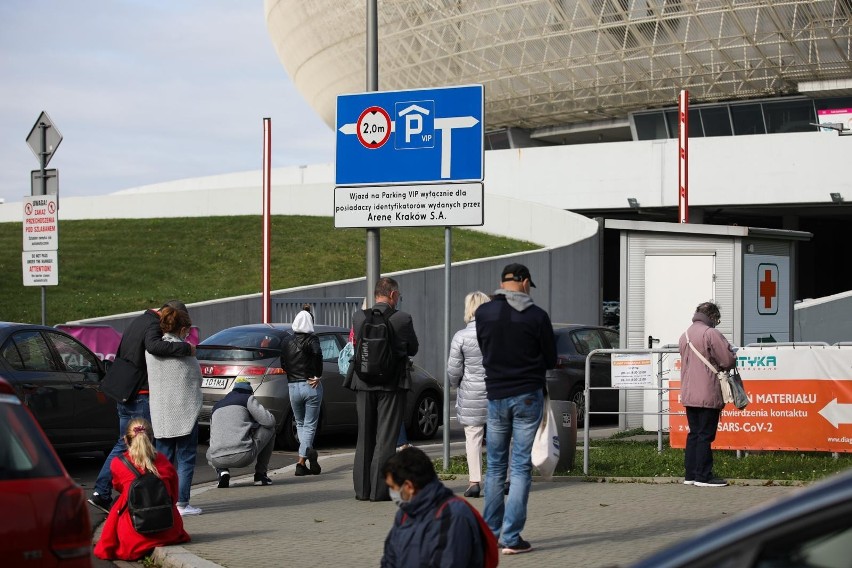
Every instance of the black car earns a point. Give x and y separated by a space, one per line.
58 379
254 352
811 528
568 380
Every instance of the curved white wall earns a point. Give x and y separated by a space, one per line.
760 170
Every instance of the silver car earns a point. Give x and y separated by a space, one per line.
254 352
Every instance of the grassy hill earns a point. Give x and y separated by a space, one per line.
122 265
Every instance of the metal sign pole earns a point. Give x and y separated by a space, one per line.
267 220
448 258
43 165
374 241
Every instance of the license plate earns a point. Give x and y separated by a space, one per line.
214 383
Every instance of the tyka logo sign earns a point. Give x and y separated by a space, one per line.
437 137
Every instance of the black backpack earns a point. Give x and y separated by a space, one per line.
375 360
149 502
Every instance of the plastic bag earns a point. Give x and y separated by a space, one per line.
545 449
345 358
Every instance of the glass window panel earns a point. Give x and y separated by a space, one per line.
794 116
747 119
650 126
716 121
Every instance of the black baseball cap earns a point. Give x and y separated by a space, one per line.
517 273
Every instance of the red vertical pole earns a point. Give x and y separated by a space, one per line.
267 212
683 162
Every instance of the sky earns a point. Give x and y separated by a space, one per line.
146 91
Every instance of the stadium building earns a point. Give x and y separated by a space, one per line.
581 102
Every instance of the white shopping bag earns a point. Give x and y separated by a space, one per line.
545 450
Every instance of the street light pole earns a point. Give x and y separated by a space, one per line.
373 245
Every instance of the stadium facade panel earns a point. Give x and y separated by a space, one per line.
561 62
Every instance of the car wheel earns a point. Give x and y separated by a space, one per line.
426 418
578 397
288 438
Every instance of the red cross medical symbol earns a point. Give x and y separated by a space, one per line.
768 289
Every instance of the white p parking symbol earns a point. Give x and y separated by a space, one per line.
415 125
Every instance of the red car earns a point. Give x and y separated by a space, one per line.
44 521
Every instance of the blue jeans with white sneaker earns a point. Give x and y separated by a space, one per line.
514 419
181 452
305 402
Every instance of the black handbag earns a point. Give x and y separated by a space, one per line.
122 380
737 389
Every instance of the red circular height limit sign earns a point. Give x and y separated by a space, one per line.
373 127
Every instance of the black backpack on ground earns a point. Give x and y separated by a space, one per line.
375 360
149 502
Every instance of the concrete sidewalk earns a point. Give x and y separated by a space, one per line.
316 521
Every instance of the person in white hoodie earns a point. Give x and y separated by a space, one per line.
466 373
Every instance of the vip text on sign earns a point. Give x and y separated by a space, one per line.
410 137
40 223
451 205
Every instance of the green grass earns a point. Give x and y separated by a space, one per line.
620 457
122 265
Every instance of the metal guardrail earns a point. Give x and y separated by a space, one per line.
660 390
327 311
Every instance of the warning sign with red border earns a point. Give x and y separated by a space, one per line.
800 399
40 223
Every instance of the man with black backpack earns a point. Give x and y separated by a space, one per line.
384 340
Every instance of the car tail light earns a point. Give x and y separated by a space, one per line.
561 362
249 372
71 532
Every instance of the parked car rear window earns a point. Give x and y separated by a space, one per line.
24 453
245 338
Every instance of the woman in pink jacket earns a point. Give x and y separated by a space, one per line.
700 392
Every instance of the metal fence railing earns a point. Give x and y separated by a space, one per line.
661 388
327 311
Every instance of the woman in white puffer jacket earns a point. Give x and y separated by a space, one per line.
466 373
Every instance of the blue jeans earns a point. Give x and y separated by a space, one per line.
514 419
402 439
126 412
305 402
181 452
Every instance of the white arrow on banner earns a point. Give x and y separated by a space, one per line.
837 413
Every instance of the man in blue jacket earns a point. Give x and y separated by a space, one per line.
516 339
433 527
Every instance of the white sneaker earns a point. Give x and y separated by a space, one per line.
188 510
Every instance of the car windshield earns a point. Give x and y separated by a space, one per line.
244 345
24 453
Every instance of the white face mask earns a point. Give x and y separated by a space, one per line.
396 497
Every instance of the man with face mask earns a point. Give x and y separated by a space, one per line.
433 527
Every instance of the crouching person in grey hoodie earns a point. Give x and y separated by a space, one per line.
241 430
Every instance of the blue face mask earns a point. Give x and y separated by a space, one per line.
396 497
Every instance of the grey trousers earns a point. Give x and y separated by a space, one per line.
380 415
263 443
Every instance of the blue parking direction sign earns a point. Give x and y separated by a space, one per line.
413 136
